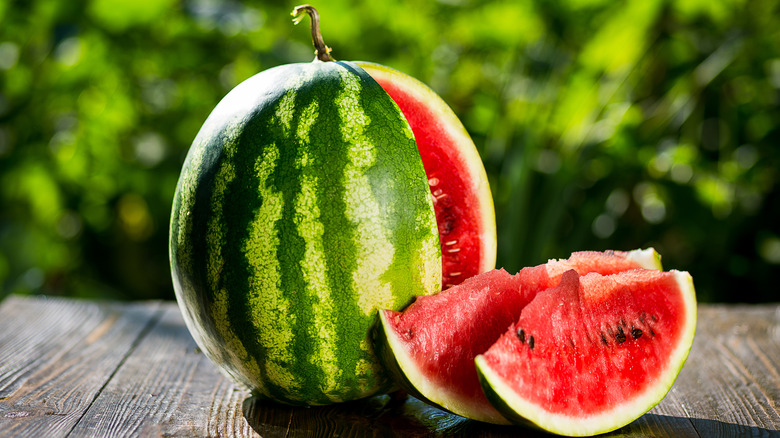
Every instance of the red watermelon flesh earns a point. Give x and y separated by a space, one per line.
431 346
594 353
424 348
549 274
457 179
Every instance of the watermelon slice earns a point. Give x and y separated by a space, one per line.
459 186
594 353
430 348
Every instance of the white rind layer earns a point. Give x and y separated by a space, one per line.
647 258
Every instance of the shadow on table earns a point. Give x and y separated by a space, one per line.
380 416
400 416
673 426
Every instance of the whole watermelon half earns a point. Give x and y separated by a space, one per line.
302 207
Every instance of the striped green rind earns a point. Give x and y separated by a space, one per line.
302 207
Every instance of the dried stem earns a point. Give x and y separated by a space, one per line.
321 51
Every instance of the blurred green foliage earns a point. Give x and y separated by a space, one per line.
602 125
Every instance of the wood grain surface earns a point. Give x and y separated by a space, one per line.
75 368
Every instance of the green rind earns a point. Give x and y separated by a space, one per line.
384 342
527 414
498 402
299 159
400 366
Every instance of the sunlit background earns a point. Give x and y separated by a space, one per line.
602 125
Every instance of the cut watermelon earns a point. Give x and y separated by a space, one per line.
461 195
431 346
594 353
303 207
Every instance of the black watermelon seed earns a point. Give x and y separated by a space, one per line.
604 339
448 224
531 342
620 336
521 335
636 333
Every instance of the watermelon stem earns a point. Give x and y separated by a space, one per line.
321 51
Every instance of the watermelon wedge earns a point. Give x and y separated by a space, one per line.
594 353
430 348
459 186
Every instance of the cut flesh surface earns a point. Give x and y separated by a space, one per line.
548 275
456 176
431 346
594 353
430 328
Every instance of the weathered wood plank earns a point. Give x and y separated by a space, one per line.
56 356
167 387
731 374
729 386
380 416
152 381
695 407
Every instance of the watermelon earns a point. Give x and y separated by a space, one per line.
594 353
431 346
302 207
457 178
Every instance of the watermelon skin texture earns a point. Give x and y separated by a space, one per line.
302 207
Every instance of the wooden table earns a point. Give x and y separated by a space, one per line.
85 368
